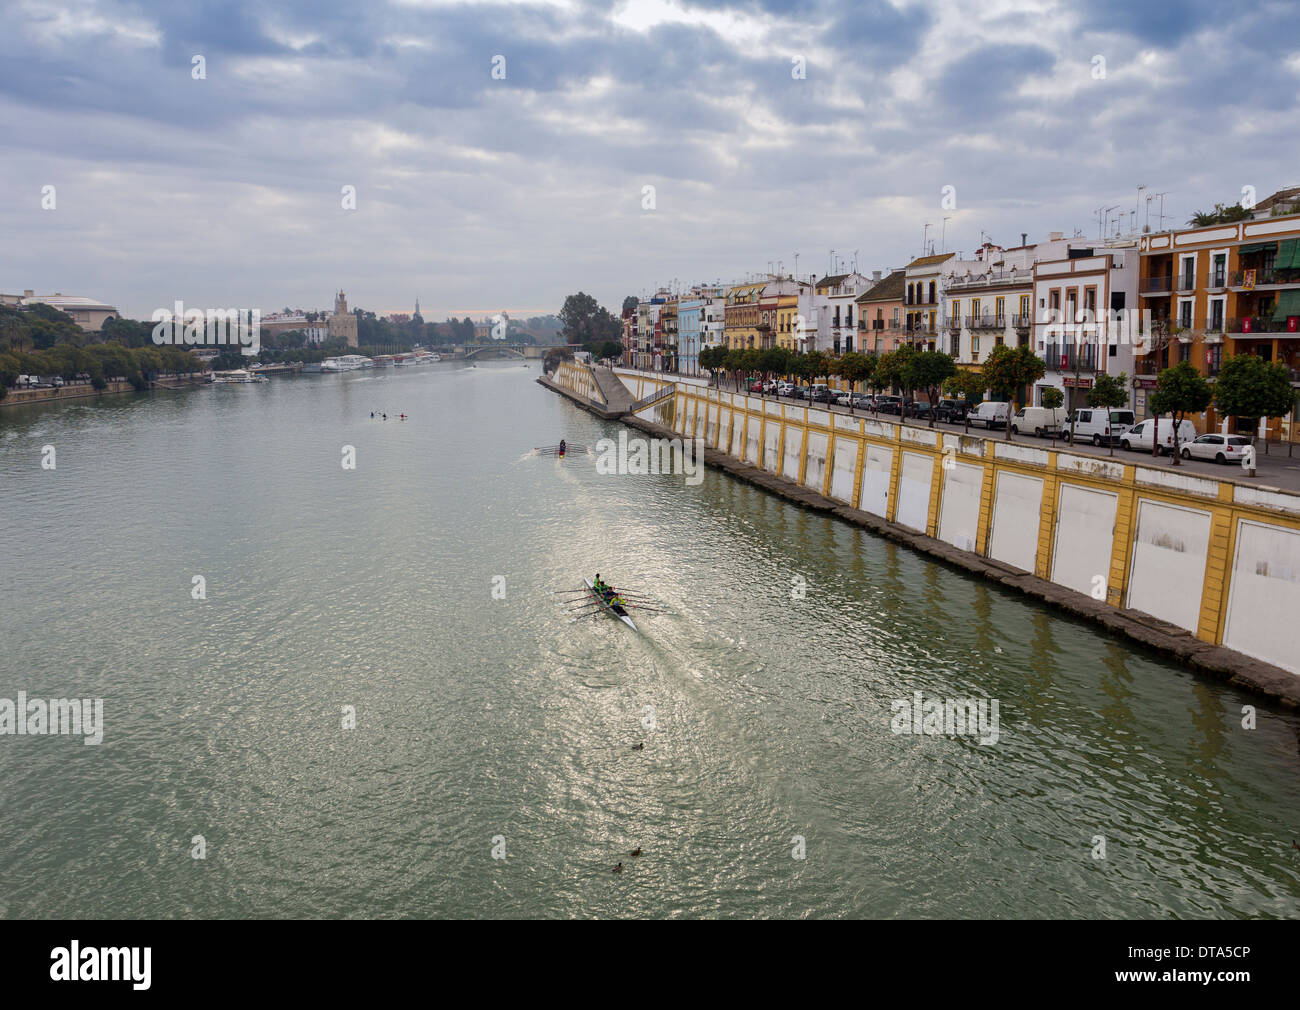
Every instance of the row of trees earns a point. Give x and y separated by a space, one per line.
1247 387
100 362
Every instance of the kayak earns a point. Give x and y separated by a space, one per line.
612 608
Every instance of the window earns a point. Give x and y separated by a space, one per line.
932 292
1054 299
1216 314
1187 272
1024 308
1000 307
895 318
1072 306
1185 313
975 310
1219 270
1184 352
956 311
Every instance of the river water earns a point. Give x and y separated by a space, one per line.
489 725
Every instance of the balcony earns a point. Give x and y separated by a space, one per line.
1156 285
1217 281
1070 358
1250 325
1186 283
986 321
1265 278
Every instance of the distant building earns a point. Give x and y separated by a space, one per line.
86 312
343 323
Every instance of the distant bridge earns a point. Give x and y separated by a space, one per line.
498 349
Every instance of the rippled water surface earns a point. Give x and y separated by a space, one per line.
479 717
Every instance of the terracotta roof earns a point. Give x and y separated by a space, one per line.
832 279
926 261
888 290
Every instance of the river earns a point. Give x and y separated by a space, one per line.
771 782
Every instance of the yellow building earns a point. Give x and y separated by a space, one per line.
741 315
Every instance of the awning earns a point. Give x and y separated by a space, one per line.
1255 247
1288 304
1288 254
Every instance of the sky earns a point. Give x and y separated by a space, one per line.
766 129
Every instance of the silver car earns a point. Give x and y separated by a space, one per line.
1220 448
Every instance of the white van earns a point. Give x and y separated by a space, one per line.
991 414
1042 421
1140 435
1098 425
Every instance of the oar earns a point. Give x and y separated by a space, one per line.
573 620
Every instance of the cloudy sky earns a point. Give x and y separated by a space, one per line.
476 194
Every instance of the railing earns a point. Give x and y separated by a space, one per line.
1258 324
986 320
1265 277
1001 277
1186 282
1070 358
1156 285
1217 279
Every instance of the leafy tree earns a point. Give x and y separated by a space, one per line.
1008 370
1053 398
585 321
1180 390
966 384
1249 387
928 371
1108 391
1220 215
857 367
630 303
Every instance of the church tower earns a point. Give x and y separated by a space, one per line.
343 323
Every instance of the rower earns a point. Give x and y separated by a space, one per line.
562 447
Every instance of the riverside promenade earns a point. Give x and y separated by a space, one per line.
1207 657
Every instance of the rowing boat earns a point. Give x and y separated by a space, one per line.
612 608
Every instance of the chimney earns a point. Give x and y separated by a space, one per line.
1024 237
29 293
875 275
1055 236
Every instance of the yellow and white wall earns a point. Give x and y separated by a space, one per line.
1220 559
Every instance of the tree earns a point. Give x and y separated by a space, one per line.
630 302
856 367
818 365
928 371
967 384
1107 391
1008 370
1249 387
1180 391
585 321
1053 398
1220 215
553 358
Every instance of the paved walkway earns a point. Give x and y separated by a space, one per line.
1275 469
617 398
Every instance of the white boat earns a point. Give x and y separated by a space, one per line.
346 363
238 375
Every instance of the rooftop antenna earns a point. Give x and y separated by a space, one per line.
943 235
925 236
855 261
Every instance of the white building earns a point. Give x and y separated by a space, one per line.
1085 306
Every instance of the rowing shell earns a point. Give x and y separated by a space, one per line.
612 608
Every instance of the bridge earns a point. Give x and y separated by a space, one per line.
499 349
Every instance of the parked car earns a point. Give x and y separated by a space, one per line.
1042 421
820 393
1098 425
784 387
991 414
863 401
755 386
889 404
844 399
770 386
920 409
951 410
1220 448
1140 435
